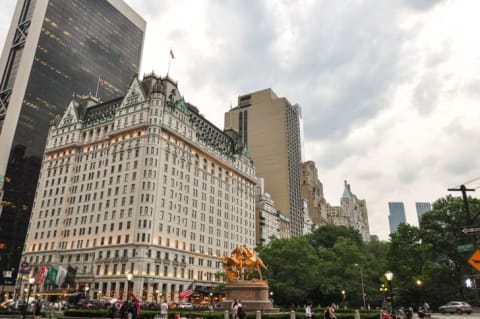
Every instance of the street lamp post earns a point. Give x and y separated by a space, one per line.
130 285
389 276
383 290
420 287
31 280
363 288
343 297
86 292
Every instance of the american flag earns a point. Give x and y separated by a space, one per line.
187 292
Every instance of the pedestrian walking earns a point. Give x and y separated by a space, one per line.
111 311
37 309
308 311
240 311
233 309
164 309
331 311
124 310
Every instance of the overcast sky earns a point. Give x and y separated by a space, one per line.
389 90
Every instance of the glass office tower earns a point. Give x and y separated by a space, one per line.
397 215
422 208
54 49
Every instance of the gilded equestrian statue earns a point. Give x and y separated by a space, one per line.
240 259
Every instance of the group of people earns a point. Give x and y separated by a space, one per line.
236 310
329 312
128 310
423 312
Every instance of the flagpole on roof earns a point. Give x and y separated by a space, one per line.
98 84
170 57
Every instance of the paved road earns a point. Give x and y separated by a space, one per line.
474 315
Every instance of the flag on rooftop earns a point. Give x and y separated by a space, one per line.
187 292
171 54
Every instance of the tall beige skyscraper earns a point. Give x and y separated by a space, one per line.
270 126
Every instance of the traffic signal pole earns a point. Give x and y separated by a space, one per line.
470 221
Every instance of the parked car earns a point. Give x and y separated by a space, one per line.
456 307
185 305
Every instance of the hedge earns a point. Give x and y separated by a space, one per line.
151 314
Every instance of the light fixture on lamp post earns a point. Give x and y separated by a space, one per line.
389 276
130 285
383 290
363 288
343 298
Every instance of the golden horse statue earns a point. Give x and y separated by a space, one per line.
239 259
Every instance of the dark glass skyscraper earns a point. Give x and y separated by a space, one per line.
54 49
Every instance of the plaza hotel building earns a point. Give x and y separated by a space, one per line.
143 185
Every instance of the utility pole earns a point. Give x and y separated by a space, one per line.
464 191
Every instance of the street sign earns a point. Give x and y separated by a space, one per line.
475 260
471 230
465 248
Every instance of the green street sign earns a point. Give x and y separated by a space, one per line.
465 248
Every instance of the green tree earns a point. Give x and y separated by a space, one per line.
326 236
407 256
376 265
292 269
345 262
442 228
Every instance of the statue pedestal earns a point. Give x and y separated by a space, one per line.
254 295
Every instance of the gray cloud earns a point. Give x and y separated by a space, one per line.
421 4
359 72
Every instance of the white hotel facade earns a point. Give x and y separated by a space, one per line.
142 184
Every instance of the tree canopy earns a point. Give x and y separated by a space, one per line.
424 260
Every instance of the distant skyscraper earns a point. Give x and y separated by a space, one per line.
352 212
356 211
312 191
422 207
270 127
54 49
397 215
